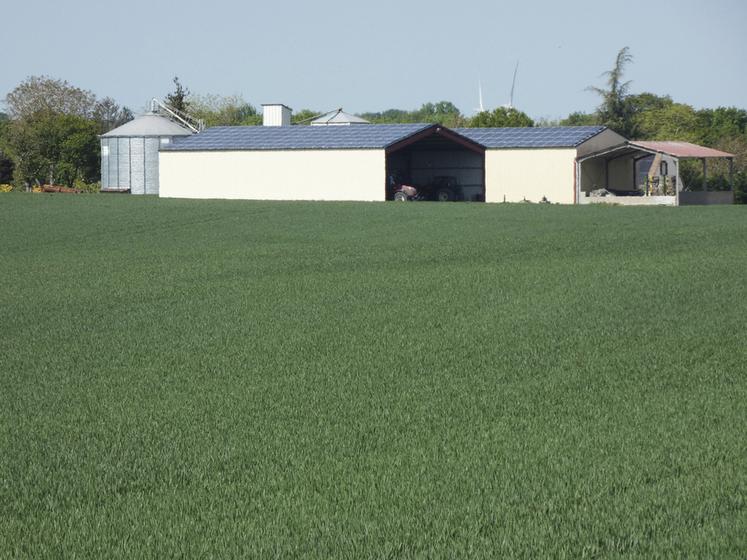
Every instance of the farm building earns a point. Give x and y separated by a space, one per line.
652 169
129 153
359 162
368 162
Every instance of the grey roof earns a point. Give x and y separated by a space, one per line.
149 124
362 136
531 137
371 136
338 117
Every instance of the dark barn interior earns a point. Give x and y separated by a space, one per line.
440 163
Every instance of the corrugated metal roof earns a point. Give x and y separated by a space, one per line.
680 149
531 137
149 124
338 117
361 136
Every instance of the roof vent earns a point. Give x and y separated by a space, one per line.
276 114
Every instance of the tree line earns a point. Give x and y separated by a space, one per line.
49 133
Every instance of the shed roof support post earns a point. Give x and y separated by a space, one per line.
731 174
705 174
607 173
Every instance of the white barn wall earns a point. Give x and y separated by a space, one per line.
274 175
515 175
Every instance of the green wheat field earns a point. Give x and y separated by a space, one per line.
213 379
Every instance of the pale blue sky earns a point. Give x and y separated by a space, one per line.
377 55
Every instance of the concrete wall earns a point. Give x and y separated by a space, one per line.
691 198
517 175
630 200
274 175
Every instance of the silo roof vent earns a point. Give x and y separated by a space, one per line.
338 117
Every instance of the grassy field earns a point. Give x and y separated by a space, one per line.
247 379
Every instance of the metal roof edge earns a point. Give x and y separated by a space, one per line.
607 150
506 148
597 133
641 145
172 148
423 128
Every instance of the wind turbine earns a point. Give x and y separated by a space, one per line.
481 107
513 86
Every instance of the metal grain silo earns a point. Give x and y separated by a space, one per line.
129 153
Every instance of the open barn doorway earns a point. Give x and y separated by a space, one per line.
436 164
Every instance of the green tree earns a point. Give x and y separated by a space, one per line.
6 163
49 147
614 110
305 116
722 122
643 102
676 121
109 115
52 132
737 145
501 117
580 119
219 110
178 99
41 93
390 116
441 112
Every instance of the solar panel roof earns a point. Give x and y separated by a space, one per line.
537 137
361 136
370 136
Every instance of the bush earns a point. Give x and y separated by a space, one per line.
6 188
87 187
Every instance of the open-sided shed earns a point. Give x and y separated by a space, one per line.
648 172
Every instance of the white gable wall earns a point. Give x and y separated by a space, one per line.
274 175
602 141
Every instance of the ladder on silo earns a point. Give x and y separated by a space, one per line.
194 124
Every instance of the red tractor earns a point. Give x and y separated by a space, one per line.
442 188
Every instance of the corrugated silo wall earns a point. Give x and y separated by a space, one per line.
105 163
123 162
151 165
137 156
115 163
130 163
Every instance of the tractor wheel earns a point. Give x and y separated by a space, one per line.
400 196
444 195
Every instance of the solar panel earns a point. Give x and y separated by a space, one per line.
361 136
530 137
370 136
